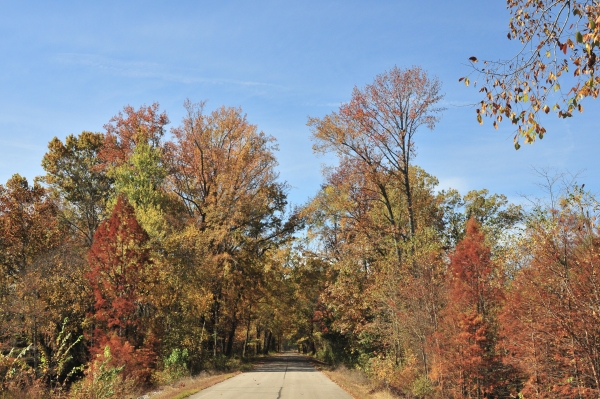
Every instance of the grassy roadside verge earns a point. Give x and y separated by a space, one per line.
189 386
355 382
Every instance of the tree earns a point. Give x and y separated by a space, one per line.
551 324
468 362
74 176
141 179
557 37
308 275
223 171
28 224
375 216
121 275
29 231
49 303
493 212
374 300
377 127
126 130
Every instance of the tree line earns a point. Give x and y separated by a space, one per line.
436 294
133 249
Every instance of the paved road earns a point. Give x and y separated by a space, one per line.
285 376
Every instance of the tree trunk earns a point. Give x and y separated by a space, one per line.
267 342
215 336
202 334
409 202
258 342
246 341
231 337
313 348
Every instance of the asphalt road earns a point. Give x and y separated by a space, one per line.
285 376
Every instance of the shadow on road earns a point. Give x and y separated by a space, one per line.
287 362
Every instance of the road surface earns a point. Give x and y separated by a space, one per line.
285 376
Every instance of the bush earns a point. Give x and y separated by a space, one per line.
54 370
103 381
403 378
422 387
327 354
15 374
174 367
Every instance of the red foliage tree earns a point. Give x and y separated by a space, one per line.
120 271
468 364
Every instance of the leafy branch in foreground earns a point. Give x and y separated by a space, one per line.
558 37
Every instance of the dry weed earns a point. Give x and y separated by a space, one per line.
357 384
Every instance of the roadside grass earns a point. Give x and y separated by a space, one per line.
355 382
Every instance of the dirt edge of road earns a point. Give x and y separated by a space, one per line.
336 378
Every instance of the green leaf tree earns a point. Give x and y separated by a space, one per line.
74 175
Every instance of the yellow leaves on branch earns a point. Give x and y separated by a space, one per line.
557 38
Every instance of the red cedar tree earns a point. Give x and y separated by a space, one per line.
467 361
120 269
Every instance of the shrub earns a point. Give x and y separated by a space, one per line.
53 369
15 374
422 387
103 381
174 367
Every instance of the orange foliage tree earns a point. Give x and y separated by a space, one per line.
223 170
468 363
29 229
376 129
551 324
376 217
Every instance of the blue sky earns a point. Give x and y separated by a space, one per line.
66 67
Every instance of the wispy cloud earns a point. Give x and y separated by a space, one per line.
150 70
